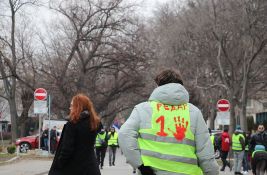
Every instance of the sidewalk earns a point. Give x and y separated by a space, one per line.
41 167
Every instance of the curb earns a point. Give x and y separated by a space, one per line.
9 161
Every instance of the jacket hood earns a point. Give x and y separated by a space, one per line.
171 94
225 134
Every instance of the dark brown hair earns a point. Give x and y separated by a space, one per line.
81 102
168 76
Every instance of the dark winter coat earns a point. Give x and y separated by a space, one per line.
259 138
75 153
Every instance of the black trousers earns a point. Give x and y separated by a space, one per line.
100 155
224 155
112 154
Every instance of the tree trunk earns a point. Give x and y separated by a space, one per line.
243 118
212 118
14 116
232 114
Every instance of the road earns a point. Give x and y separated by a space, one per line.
41 167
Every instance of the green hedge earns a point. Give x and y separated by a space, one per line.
11 149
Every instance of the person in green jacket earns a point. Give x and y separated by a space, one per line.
167 135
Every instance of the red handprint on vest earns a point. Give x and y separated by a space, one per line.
181 127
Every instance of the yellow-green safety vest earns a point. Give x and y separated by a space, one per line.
212 139
247 148
163 146
236 145
99 138
113 139
253 154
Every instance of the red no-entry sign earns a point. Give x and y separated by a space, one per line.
40 94
223 105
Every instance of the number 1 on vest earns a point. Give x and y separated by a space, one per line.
161 120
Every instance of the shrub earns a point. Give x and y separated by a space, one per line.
11 149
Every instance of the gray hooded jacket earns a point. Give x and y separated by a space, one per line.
140 118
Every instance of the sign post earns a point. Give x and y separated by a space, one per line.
40 107
49 114
223 105
223 114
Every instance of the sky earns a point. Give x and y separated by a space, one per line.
146 8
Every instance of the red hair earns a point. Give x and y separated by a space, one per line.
81 102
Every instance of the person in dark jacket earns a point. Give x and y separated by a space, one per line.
259 160
45 139
245 162
53 139
260 138
75 153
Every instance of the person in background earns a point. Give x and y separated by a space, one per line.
259 138
245 162
167 135
53 140
112 146
45 138
212 139
224 143
75 154
238 147
101 145
259 160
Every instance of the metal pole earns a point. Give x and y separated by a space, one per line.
1 130
39 144
49 113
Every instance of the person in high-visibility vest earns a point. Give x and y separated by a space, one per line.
101 144
167 135
238 147
112 146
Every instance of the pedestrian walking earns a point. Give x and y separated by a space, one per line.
53 140
167 135
238 147
112 146
245 162
101 145
224 142
260 138
259 160
45 138
75 154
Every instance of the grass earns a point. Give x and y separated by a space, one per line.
6 156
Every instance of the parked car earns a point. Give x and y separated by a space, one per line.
26 143
31 142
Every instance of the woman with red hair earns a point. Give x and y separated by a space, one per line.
75 153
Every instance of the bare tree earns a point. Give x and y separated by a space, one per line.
9 59
225 40
98 49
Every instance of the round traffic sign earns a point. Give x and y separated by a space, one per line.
223 105
40 94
